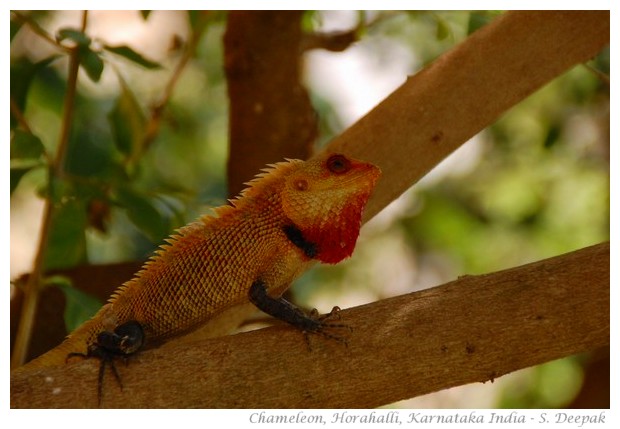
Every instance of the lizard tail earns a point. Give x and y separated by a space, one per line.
76 342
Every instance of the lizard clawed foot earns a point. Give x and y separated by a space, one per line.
122 343
322 326
307 322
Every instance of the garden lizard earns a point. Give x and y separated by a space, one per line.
292 214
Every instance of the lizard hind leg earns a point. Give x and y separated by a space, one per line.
126 340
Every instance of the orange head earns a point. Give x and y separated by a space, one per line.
324 198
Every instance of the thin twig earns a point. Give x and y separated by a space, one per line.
31 289
36 29
338 41
19 116
603 77
152 127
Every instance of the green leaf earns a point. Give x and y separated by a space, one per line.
26 152
145 14
25 145
92 63
443 29
196 18
89 59
67 239
91 152
310 21
128 122
144 213
22 75
77 36
130 54
200 19
79 306
17 174
59 189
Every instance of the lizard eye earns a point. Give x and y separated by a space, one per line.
338 164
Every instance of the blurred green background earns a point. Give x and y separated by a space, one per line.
533 185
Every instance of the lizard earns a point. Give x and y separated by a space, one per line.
291 215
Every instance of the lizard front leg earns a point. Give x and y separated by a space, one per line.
283 310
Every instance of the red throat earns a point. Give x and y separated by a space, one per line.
335 237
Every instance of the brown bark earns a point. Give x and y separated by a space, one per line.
426 119
270 112
474 329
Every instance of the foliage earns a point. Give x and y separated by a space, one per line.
114 174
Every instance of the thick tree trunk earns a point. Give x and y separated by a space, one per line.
270 112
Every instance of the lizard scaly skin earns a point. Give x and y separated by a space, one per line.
292 214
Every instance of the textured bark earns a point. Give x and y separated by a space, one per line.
270 112
474 329
499 329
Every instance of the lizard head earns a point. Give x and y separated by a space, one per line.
324 198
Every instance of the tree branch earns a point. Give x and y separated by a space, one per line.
473 329
440 108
